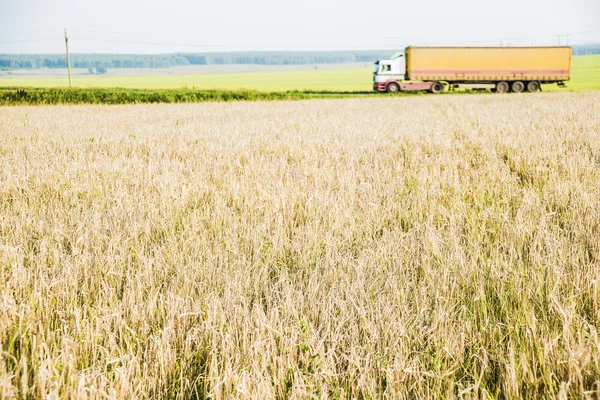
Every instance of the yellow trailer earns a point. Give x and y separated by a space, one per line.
514 66
500 69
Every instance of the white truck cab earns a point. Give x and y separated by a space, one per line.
386 71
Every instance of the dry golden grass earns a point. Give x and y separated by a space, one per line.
427 247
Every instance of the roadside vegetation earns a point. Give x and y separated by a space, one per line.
413 248
48 96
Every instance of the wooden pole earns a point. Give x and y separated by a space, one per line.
68 58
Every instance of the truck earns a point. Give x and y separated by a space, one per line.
499 69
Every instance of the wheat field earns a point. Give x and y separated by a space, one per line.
402 248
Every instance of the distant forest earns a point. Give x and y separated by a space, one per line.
28 61
102 62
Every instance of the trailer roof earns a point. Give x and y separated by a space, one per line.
488 47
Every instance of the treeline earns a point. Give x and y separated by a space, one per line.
285 58
582 50
31 61
110 61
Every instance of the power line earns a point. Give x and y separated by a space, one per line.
275 48
381 38
30 40
549 35
526 38
121 33
33 31
310 47
315 48
149 43
584 33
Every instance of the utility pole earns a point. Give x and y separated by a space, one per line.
566 36
68 58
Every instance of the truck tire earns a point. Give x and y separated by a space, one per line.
517 87
437 87
393 87
533 86
502 87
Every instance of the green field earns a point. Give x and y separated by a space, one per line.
355 79
585 76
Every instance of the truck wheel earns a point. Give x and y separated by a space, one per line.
437 87
393 88
517 87
533 87
502 87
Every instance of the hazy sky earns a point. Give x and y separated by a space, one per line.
153 26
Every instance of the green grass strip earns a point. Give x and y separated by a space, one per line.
49 96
